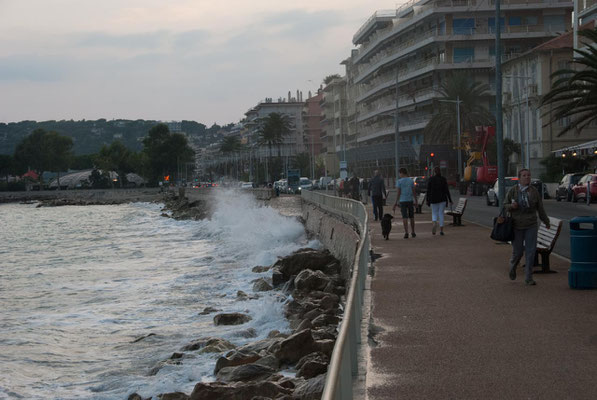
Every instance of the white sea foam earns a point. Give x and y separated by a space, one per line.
79 284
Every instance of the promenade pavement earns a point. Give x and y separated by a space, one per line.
448 323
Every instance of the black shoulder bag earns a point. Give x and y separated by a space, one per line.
503 228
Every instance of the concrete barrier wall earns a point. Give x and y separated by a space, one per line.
335 232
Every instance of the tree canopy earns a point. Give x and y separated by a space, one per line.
165 152
574 90
44 151
443 127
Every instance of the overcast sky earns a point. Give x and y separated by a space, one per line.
202 60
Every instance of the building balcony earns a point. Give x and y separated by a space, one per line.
405 125
389 105
409 14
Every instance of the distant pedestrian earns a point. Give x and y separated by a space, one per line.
355 187
524 202
438 196
407 199
341 188
346 188
377 188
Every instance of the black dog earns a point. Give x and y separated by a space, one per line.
386 225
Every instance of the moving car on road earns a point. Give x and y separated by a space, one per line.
494 191
579 191
564 190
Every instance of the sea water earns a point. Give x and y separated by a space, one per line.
78 286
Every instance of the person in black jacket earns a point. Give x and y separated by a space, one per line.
438 196
377 188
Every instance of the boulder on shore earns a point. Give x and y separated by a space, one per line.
239 391
231 319
315 260
245 373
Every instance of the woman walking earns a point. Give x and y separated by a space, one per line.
524 202
438 196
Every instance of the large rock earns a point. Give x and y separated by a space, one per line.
215 345
304 259
296 346
231 319
259 346
235 359
311 389
238 391
174 396
309 280
261 285
245 373
312 365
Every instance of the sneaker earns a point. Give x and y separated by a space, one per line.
530 282
441 233
406 235
512 273
434 229
414 235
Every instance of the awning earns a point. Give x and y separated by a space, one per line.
583 149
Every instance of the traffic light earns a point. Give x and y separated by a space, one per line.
432 155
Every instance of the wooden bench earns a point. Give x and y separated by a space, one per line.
457 212
420 202
546 240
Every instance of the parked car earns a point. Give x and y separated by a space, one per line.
315 184
579 191
564 190
420 184
541 187
246 185
494 191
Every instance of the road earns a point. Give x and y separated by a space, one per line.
478 211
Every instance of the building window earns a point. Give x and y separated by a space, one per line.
514 21
464 54
530 20
554 23
463 26
442 56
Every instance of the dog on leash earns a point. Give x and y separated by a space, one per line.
386 225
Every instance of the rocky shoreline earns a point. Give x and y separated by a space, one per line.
309 281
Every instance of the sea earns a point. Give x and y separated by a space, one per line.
79 285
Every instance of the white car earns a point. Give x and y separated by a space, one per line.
246 185
494 191
305 184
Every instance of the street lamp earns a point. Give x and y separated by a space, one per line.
457 101
396 132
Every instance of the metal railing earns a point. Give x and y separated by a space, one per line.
344 362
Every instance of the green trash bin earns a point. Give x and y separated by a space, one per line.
583 253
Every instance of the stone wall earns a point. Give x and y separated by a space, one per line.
92 195
335 232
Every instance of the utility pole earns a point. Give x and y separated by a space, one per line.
499 134
396 132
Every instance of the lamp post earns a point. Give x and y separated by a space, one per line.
457 101
396 132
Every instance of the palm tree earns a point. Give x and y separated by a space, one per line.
230 145
273 129
442 127
574 92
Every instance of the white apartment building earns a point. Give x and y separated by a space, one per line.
421 42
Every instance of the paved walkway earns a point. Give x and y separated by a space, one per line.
447 323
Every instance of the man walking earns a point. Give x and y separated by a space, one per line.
408 199
377 188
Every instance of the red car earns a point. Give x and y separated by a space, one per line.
579 191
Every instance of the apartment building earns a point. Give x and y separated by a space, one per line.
587 11
526 79
334 124
292 107
312 127
415 48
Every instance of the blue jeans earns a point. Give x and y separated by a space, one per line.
525 240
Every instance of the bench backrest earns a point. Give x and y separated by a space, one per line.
547 237
461 205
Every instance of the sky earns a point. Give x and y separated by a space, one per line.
202 60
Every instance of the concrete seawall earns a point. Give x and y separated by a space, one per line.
95 195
